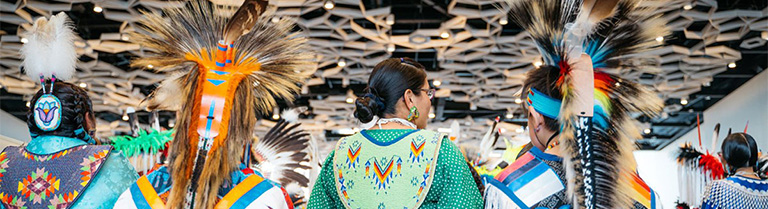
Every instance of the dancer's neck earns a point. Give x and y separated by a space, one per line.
747 172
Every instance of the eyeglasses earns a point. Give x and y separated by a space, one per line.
430 92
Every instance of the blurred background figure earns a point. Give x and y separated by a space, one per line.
745 189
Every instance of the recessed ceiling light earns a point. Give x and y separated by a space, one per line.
732 65
437 83
391 48
445 34
97 9
503 20
390 20
329 5
537 64
688 7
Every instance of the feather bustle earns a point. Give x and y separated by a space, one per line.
284 146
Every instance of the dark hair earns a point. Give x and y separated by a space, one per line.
387 84
740 150
544 79
75 103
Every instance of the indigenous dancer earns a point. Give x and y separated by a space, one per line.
393 162
579 116
61 167
744 189
223 71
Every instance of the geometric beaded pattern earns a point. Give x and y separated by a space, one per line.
3 164
90 165
49 181
393 173
43 158
737 193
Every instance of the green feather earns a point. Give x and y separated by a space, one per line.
144 143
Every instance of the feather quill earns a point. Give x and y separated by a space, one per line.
715 136
244 19
50 49
486 144
590 14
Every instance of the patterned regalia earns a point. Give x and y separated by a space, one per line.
408 171
61 167
395 168
736 192
223 71
597 131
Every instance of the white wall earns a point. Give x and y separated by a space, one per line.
12 127
748 102
13 131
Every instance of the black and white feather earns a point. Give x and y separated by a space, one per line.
281 152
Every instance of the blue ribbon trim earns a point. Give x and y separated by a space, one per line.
544 104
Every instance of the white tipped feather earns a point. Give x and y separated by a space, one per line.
455 132
168 94
292 115
50 49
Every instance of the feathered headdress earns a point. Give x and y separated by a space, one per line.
49 54
610 32
280 153
224 70
697 167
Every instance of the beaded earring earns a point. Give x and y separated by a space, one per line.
413 114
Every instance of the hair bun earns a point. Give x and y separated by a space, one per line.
368 106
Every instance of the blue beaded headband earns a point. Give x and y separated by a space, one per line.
542 103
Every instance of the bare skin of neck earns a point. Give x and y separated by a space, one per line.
749 170
543 136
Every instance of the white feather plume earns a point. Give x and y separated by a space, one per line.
50 48
292 115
